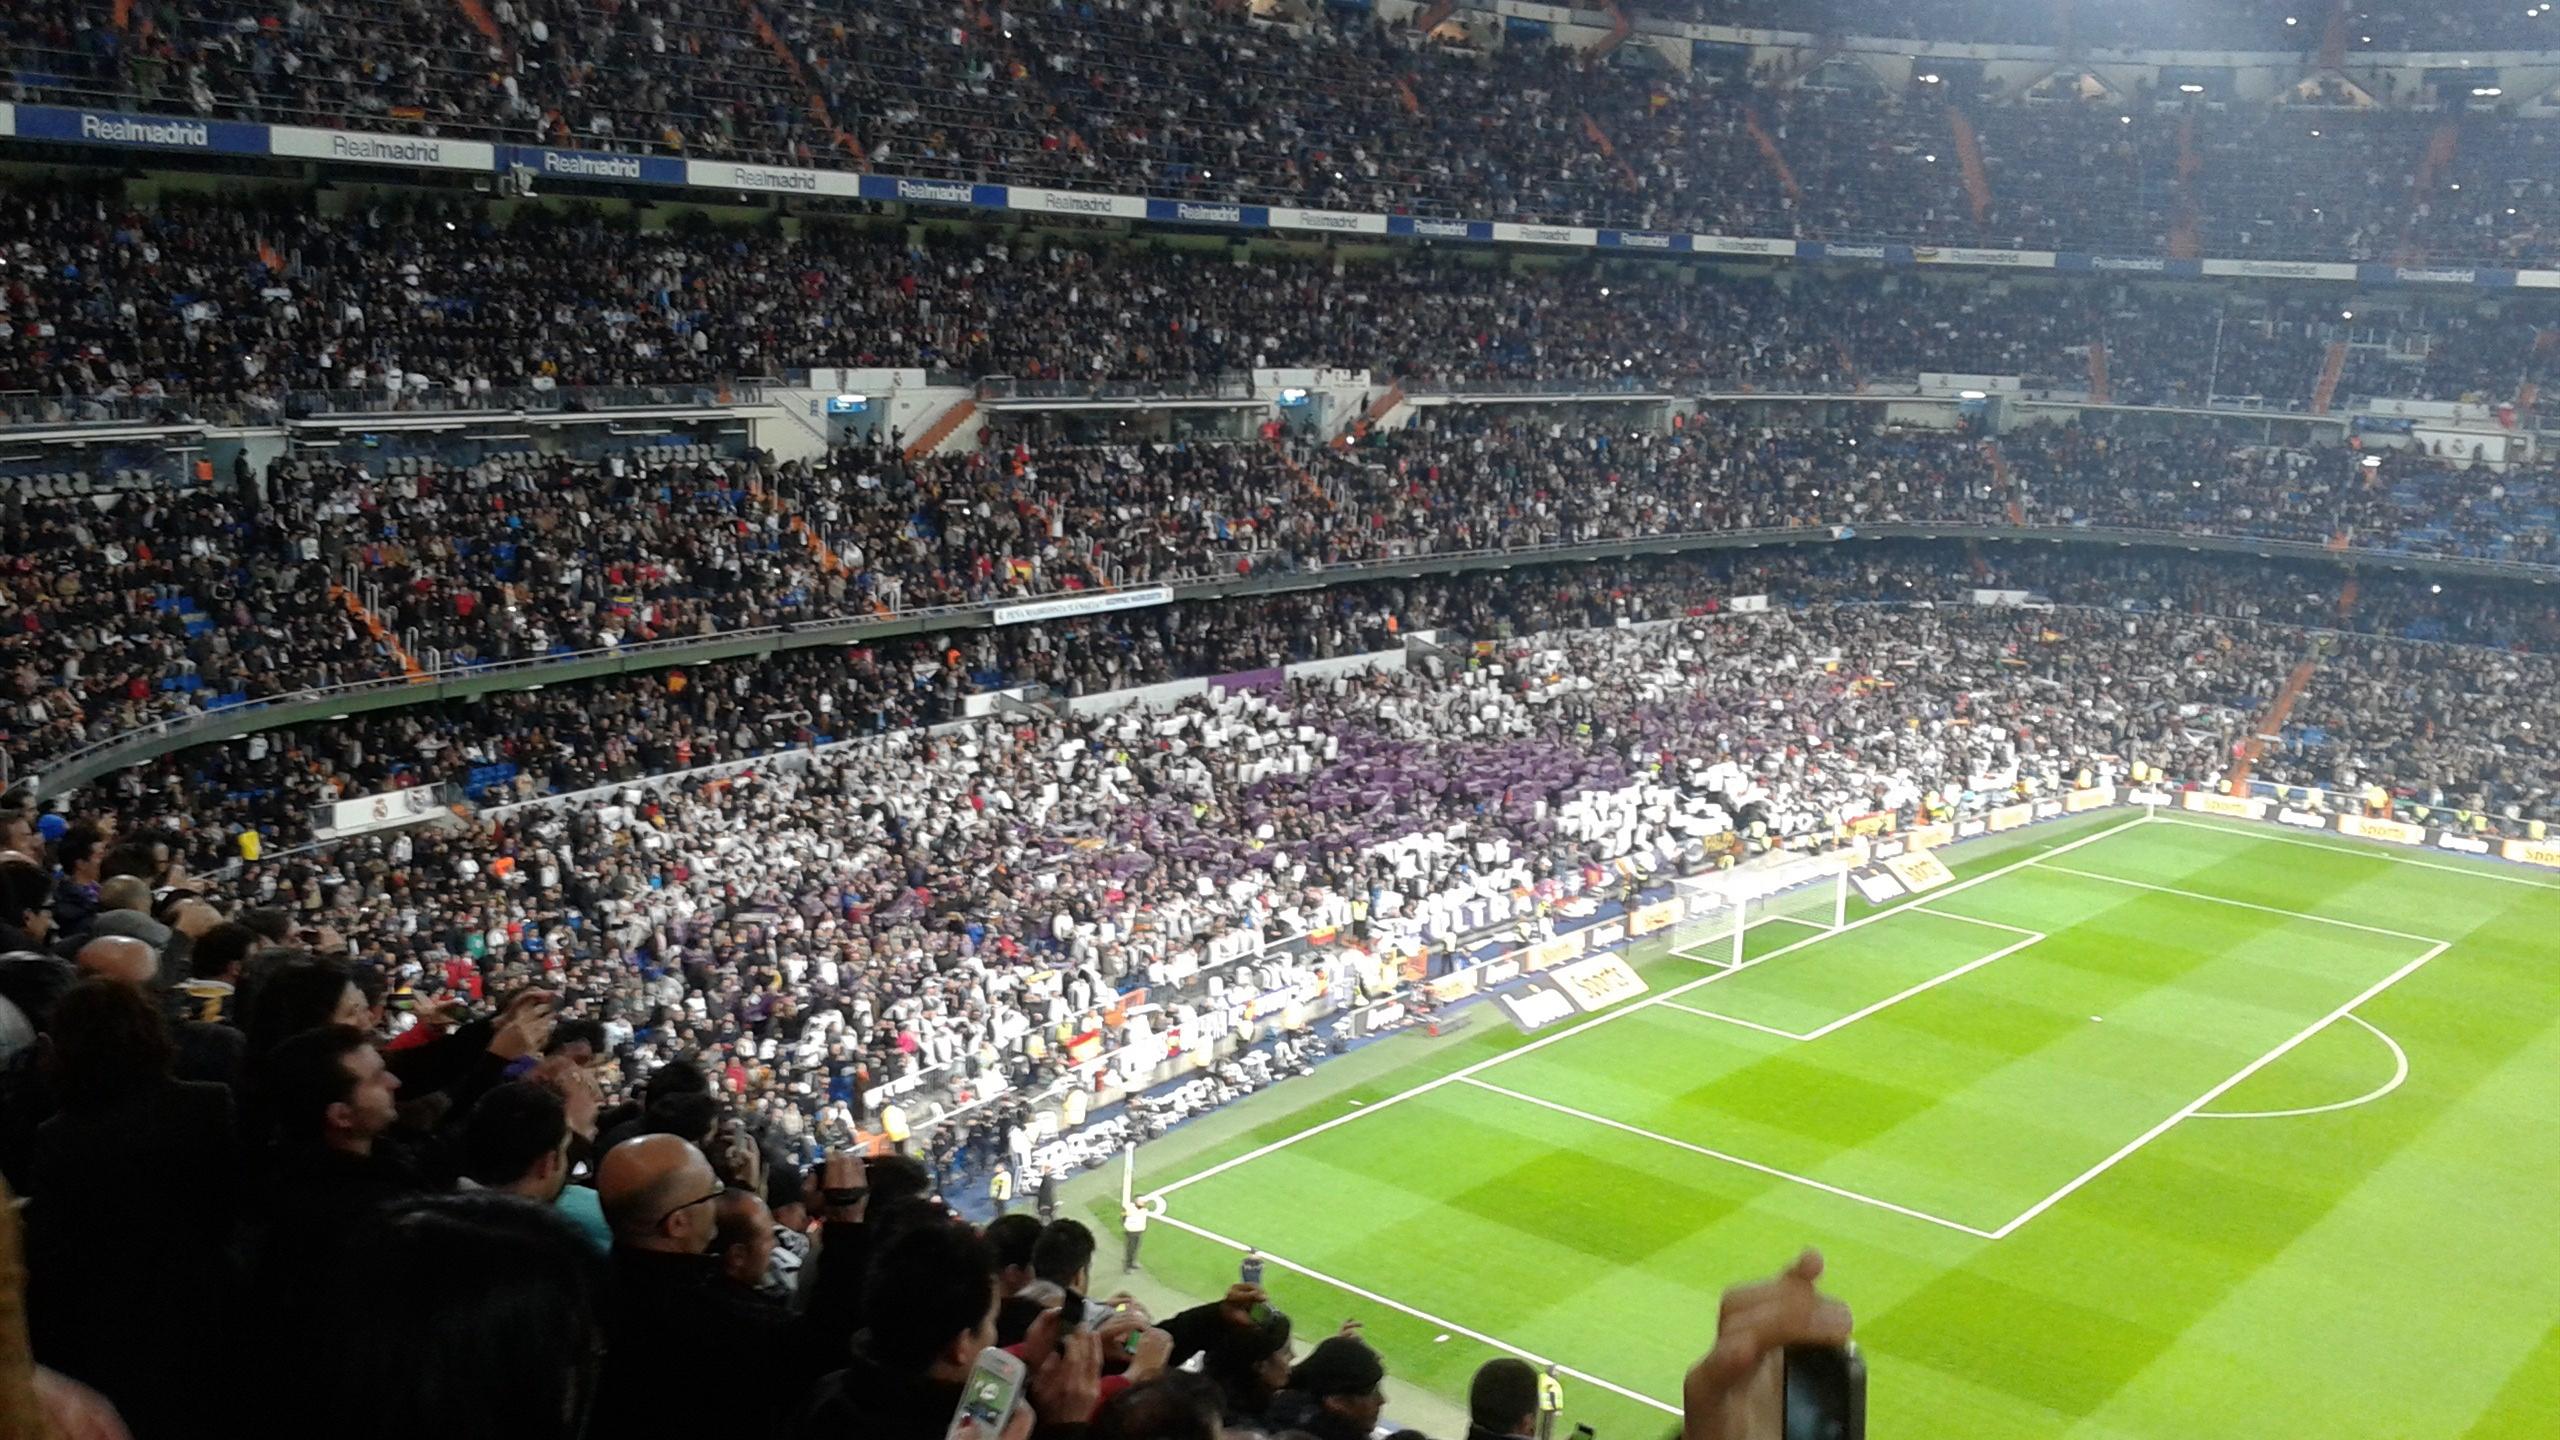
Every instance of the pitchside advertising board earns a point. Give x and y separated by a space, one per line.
1584 987
61 125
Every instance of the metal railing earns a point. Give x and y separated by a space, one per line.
532 399
443 681
1216 387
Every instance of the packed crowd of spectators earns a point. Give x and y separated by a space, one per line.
251 309
160 604
1349 113
516 746
693 990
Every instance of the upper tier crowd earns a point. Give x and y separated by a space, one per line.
231 309
1350 113
125 609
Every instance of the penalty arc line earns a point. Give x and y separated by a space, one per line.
1752 1165
2399 1077
1606 1017
1452 1326
2196 1106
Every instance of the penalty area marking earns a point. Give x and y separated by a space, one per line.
1637 1008
2399 1077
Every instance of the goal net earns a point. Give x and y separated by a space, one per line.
1807 894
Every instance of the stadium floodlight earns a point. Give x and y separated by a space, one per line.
2191 88
1973 395
1718 910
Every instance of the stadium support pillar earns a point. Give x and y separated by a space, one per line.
2332 368
1977 180
2099 392
2333 36
1768 144
943 428
380 632
2271 725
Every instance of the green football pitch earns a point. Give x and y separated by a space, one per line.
2142 1128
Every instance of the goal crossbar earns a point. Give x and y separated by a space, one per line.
1719 910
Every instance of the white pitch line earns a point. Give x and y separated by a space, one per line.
1452 1326
2399 1077
2197 1105
2380 849
1730 1159
2246 905
1735 1020
1639 1007
1932 983
1977 920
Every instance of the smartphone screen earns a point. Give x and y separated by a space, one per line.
1826 1393
987 1400
1251 1271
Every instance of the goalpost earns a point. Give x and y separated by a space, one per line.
1718 910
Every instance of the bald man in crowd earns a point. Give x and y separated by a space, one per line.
688 1352
121 958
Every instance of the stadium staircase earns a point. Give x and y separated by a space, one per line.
817 103
478 15
1621 25
2001 485
1768 144
2442 146
1435 16
2529 391
799 525
1411 102
1600 138
380 632
2271 725
1369 419
944 426
2099 393
1977 180
2186 226
2331 369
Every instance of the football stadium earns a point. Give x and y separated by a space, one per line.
1279 719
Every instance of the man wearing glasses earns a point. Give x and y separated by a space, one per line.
681 1344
